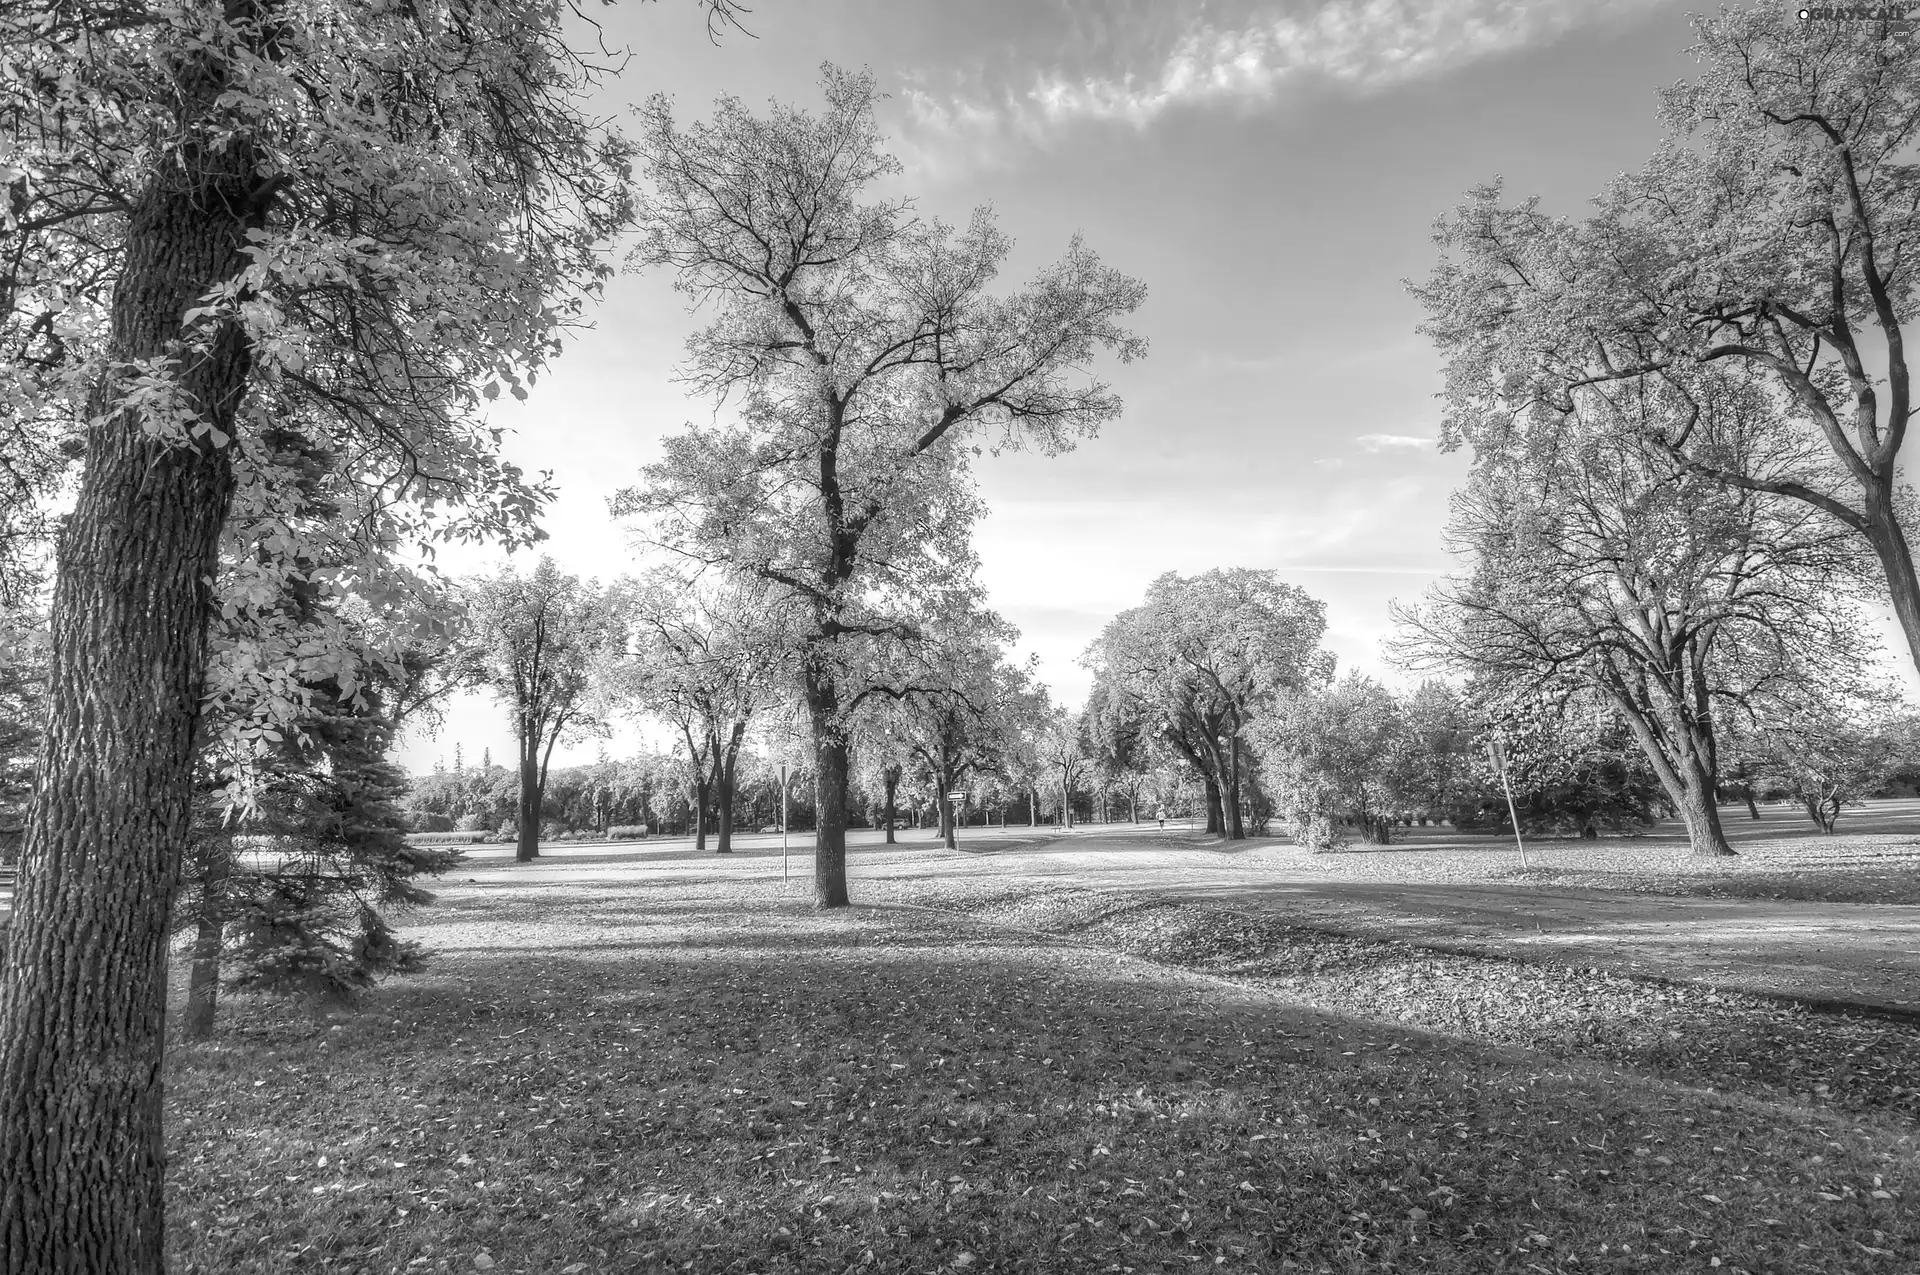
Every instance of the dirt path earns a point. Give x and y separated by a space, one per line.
1868 954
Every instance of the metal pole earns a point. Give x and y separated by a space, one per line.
783 832
1506 782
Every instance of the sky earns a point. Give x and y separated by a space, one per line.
1272 171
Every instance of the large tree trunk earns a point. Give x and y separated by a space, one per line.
527 847
1216 824
1033 808
950 817
209 940
1701 815
723 801
83 995
702 793
1229 788
1889 541
830 774
1675 733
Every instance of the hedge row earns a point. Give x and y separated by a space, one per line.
448 838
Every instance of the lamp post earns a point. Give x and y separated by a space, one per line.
785 769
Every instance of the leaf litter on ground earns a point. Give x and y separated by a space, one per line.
607 1079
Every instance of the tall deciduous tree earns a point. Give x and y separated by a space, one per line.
1062 754
1117 743
1438 746
868 361
222 214
1572 763
1337 753
545 642
962 714
711 655
1770 238
1201 656
1828 750
1595 564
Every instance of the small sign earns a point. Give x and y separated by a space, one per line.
956 796
785 769
1498 754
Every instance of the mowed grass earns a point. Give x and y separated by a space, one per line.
715 1078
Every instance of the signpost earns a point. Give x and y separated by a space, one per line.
953 807
785 769
1499 756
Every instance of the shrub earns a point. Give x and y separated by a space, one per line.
475 822
1313 830
431 823
627 832
443 838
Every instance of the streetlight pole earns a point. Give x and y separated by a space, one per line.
785 770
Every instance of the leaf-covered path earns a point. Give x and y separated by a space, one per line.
1795 915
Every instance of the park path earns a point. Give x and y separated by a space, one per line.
1854 953
1857 953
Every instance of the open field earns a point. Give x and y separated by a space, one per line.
709 1076
1004 1060
1798 914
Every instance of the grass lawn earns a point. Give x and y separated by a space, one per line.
712 1077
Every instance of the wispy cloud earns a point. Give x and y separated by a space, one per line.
1375 443
1146 69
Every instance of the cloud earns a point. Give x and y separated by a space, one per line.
1146 69
1376 443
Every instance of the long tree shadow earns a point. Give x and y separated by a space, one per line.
895 1104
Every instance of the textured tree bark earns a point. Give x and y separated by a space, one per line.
83 994
830 827
1216 824
723 812
527 847
829 789
725 787
891 777
1228 789
702 794
1889 541
1701 814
